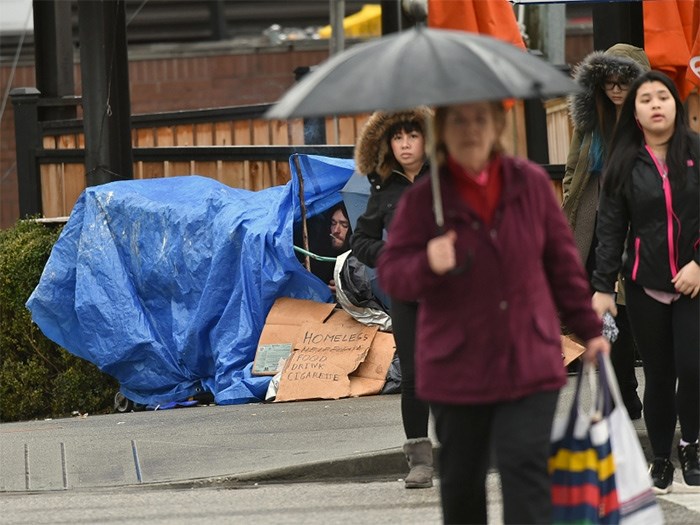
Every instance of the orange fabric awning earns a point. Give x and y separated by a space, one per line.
489 17
495 18
692 74
671 31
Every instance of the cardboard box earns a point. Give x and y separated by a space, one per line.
570 349
280 331
327 353
322 360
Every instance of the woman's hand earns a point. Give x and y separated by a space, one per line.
595 346
604 302
441 253
687 280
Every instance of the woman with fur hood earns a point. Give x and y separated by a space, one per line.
605 78
391 153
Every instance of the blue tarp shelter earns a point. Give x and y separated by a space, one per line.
165 284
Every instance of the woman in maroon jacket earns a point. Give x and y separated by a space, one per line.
488 352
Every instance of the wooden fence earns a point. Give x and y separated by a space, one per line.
235 146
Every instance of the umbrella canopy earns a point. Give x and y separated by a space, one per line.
355 196
421 66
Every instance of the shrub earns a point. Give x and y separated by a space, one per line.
38 378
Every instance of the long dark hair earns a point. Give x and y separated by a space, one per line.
605 112
628 138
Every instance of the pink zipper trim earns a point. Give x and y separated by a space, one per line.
669 213
637 243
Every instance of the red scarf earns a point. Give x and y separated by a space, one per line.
481 191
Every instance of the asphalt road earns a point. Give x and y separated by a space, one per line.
367 502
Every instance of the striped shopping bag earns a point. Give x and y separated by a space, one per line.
581 463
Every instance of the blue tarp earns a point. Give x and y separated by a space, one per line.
165 284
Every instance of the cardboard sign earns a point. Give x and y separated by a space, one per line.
324 356
280 331
370 376
570 349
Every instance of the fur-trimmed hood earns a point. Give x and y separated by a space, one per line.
623 61
372 152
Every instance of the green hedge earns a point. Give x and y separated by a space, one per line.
38 378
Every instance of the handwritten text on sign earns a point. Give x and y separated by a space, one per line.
323 357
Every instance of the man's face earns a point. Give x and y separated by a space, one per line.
339 229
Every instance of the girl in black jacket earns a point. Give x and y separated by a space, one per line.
391 152
650 203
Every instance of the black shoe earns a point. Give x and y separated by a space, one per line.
690 466
661 472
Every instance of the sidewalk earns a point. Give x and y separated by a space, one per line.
214 445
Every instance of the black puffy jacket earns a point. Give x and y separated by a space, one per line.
368 237
660 239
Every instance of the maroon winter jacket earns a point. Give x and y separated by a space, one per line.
490 332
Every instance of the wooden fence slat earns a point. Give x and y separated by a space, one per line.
180 168
144 138
165 136
233 173
66 141
266 180
282 173
296 131
513 136
331 131
204 134
558 129
346 129
73 185
52 190
280 133
261 133
360 121
222 134
49 142
247 176
184 135
206 169
152 170
242 132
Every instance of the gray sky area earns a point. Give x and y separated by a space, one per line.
15 15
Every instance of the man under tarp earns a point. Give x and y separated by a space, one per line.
165 284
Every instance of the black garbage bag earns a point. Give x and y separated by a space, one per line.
357 284
393 377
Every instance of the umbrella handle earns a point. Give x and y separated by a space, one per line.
468 260
459 270
435 179
438 210
437 196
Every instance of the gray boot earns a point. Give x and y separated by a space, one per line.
419 453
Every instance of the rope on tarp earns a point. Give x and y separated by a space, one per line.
313 255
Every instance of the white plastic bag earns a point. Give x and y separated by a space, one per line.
638 503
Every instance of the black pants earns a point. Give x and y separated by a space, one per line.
414 412
623 353
668 338
623 357
519 432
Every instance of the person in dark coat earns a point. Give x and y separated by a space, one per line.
650 209
605 77
391 152
488 348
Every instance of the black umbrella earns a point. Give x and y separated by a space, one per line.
421 66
